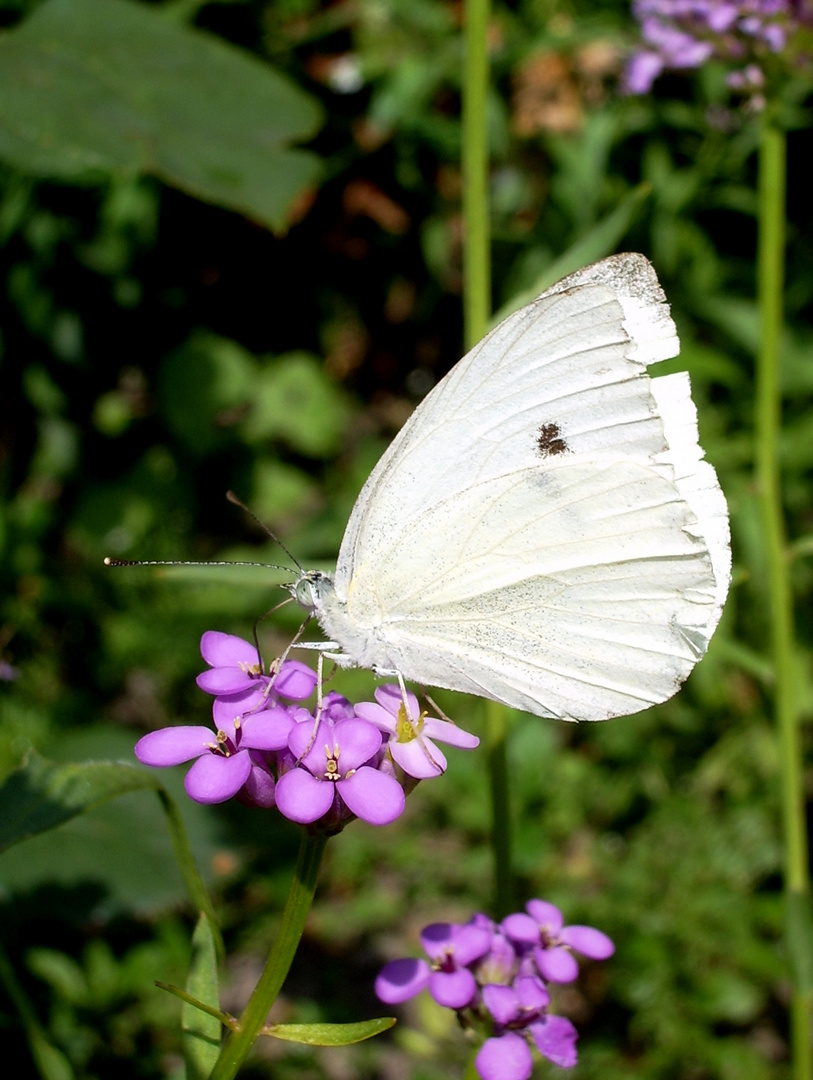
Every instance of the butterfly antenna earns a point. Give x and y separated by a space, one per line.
193 562
236 501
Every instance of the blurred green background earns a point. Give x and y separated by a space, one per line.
237 265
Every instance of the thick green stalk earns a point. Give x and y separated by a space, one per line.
476 231
496 739
476 312
239 1042
770 289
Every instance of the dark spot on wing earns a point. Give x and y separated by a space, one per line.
550 441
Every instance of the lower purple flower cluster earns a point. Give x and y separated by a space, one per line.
495 977
329 766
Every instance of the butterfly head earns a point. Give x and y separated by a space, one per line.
309 590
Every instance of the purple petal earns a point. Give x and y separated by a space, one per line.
556 965
502 1002
336 707
452 989
215 778
547 915
302 736
774 37
691 54
376 714
531 992
642 70
266 730
296 681
468 942
303 798
390 697
226 680
507 1057
483 922
231 706
438 938
259 787
499 962
372 796
359 741
419 758
174 745
721 16
555 1037
588 941
227 650
448 733
521 928
401 980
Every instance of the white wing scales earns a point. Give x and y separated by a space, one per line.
544 531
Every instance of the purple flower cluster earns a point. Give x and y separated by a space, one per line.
682 34
267 749
495 977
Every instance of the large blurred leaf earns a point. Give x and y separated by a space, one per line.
42 795
89 87
87 822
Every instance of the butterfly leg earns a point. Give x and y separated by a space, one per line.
416 723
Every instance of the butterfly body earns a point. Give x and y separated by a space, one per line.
543 531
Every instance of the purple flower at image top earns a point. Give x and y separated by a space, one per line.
683 34
496 978
322 768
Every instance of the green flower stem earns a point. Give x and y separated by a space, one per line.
239 1042
496 740
185 859
476 231
770 288
476 312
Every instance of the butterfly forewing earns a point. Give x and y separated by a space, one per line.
539 531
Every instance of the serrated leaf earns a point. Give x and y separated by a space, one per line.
330 1034
201 1032
91 87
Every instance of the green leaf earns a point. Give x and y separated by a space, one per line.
51 1063
93 87
202 1032
330 1034
42 795
203 383
295 402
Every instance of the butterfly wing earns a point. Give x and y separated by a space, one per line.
543 531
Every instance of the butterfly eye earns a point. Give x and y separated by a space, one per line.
306 591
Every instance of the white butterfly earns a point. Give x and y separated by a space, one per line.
543 531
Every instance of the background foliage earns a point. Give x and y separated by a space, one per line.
158 349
